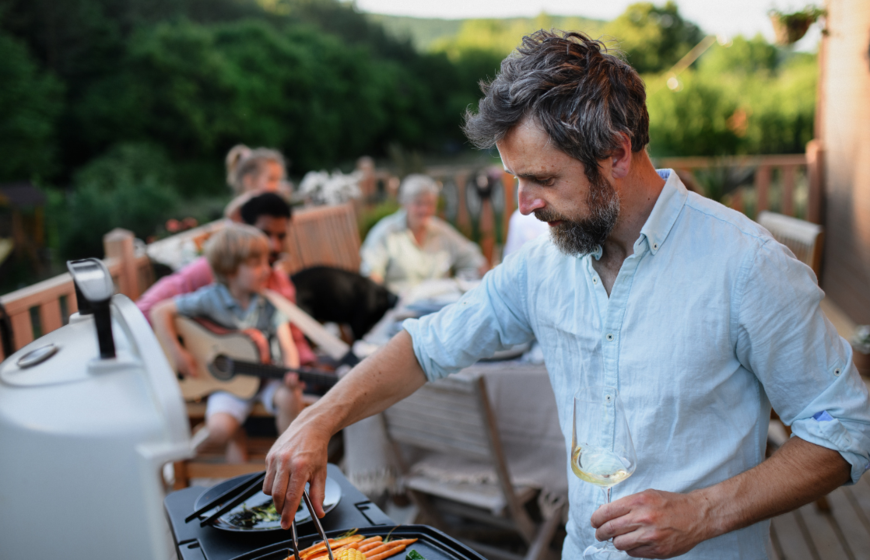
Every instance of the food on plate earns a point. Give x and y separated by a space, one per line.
253 516
414 555
249 517
356 547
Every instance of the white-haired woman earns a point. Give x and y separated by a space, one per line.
413 245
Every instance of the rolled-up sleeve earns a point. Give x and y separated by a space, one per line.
806 368
487 319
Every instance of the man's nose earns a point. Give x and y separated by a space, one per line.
528 201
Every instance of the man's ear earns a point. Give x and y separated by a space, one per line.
620 159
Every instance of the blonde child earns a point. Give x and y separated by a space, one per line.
239 258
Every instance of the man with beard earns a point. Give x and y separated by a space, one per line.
690 310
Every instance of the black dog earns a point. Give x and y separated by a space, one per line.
340 296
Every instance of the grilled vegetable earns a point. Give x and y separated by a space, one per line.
349 554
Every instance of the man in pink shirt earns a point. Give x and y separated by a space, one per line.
270 214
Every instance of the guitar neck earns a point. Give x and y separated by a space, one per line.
277 372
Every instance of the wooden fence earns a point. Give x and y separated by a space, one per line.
47 305
487 222
786 168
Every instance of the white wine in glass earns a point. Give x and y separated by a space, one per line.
602 452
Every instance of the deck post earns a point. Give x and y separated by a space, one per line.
118 244
762 182
816 177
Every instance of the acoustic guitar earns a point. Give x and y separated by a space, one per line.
232 361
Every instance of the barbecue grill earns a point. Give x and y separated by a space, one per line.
354 511
89 414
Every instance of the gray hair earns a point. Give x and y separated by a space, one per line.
242 161
415 185
581 95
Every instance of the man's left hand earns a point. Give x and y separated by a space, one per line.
654 524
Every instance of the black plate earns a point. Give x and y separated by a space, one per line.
225 523
431 543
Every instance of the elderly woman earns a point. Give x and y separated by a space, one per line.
413 245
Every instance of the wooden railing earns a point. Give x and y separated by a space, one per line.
43 307
786 169
790 184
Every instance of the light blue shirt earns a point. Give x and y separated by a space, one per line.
708 323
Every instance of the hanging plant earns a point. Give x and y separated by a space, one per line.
790 28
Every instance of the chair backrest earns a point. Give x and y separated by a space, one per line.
805 239
451 415
324 235
319 235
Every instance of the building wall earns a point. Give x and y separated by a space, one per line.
844 124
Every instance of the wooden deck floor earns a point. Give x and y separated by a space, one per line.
844 533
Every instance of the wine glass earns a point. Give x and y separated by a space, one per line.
601 449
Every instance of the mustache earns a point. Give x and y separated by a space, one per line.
549 216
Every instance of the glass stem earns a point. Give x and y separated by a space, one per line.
608 544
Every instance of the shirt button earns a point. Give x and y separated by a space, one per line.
837 371
609 337
594 280
655 246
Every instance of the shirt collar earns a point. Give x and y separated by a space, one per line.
229 302
664 214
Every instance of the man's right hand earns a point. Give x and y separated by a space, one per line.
299 456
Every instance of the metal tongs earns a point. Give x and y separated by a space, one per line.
317 525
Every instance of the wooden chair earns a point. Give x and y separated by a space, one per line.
806 240
453 416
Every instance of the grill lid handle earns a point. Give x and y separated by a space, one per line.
94 290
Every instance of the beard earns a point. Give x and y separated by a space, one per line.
581 237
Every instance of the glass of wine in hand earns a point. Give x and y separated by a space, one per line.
601 449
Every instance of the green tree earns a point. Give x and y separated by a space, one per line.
744 56
32 100
693 121
130 186
653 38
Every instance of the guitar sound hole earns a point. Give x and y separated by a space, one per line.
222 368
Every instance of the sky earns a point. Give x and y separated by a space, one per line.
746 17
